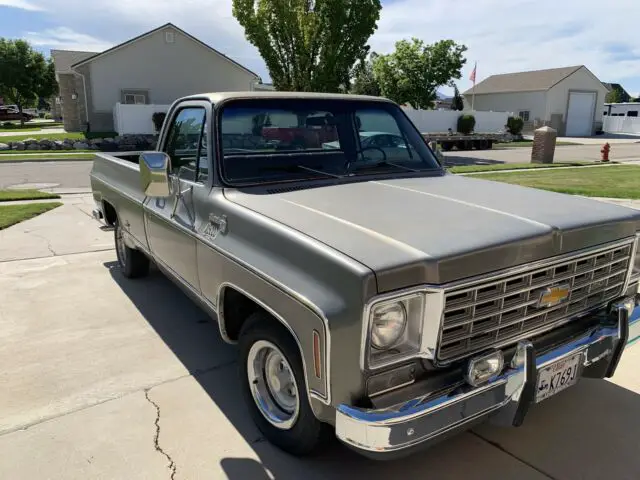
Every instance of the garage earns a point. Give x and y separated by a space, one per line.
580 113
567 99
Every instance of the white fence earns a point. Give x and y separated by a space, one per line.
621 124
135 119
442 120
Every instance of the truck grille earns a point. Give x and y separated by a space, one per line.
490 312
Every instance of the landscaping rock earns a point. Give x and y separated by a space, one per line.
18 146
34 146
96 141
4 146
80 146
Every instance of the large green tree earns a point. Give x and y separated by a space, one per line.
614 96
25 75
363 79
309 45
414 71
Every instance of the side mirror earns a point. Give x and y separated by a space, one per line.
154 174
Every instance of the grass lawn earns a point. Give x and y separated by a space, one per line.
78 157
16 127
57 136
512 166
12 214
11 195
615 181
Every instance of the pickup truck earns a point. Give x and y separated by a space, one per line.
372 294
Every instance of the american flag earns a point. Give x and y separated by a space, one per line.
472 77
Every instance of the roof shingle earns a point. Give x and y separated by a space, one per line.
523 81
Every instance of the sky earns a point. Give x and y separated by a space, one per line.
501 35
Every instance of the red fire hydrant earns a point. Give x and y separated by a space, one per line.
604 152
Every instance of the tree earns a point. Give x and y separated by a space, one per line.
413 72
309 45
614 96
364 80
25 75
456 102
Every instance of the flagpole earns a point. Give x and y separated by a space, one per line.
473 90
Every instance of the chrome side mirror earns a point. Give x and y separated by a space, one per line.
154 174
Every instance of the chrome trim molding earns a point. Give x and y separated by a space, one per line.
432 329
634 251
280 318
507 397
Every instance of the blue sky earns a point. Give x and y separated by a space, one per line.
502 36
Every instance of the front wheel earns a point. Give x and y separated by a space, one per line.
133 262
273 385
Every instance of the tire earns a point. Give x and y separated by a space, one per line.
301 433
133 263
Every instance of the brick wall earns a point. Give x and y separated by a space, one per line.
70 112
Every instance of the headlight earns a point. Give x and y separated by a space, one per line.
393 327
388 323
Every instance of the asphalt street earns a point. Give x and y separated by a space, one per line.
74 175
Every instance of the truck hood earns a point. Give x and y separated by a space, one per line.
441 229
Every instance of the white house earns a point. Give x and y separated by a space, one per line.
156 67
569 99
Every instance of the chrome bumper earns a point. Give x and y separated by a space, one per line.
506 399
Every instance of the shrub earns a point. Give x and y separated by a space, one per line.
48 116
8 125
158 119
466 124
514 125
41 115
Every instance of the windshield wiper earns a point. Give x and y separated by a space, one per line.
385 163
302 167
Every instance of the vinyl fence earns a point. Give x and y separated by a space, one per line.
135 119
442 120
621 124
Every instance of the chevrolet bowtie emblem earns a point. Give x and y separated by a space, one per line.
552 296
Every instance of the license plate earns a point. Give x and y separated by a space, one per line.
558 376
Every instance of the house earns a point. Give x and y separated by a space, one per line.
156 67
569 99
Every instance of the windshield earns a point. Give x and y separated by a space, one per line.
272 140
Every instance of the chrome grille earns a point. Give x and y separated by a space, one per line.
489 312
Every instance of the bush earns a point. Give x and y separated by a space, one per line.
158 119
515 125
466 124
8 125
48 116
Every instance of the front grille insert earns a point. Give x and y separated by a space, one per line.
492 311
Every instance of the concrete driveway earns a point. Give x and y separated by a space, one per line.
107 378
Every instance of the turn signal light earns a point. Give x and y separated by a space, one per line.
484 368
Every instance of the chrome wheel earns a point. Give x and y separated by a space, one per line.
121 248
273 384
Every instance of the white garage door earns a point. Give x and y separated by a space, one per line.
580 114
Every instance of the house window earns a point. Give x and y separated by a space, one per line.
632 113
135 98
524 115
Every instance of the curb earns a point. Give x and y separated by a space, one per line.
611 164
61 158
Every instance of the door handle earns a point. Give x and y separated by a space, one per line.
220 222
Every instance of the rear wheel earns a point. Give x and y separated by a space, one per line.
273 386
134 263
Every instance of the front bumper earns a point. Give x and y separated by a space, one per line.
506 399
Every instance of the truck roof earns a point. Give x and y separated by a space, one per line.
217 97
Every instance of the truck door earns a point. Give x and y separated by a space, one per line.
171 222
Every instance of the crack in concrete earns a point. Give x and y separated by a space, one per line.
156 439
47 241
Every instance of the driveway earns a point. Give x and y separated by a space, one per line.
109 378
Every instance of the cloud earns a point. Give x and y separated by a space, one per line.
501 36
21 4
66 39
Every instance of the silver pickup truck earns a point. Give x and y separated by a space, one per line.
371 292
